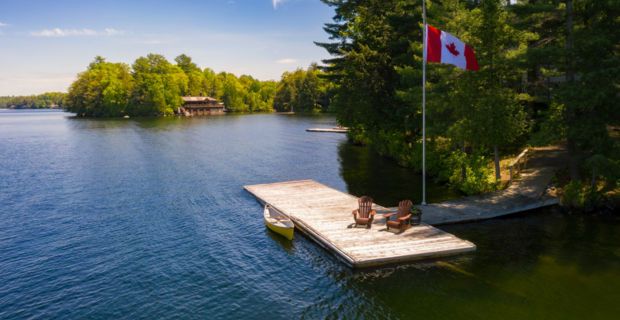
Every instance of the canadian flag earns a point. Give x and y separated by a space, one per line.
445 48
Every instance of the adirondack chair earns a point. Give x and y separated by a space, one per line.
402 215
365 214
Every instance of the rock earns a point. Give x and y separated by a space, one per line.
126 117
548 191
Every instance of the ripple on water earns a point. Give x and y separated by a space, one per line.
147 218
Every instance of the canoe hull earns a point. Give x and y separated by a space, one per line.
285 229
286 232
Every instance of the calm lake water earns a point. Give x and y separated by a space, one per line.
147 218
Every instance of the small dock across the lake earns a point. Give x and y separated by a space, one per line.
335 130
324 214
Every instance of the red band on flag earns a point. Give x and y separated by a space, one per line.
470 56
433 44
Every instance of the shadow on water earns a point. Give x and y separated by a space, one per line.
367 173
281 241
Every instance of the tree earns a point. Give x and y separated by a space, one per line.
591 101
499 114
158 86
185 63
362 67
581 48
233 94
102 90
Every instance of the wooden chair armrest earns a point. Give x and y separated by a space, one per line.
389 214
355 211
373 212
405 217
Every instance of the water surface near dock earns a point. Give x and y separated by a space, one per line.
147 218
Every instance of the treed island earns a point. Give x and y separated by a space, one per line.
153 86
550 76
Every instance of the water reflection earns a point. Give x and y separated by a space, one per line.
367 173
281 242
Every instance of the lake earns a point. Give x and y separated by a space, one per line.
146 218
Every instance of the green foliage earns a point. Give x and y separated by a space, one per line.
580 108
574 195
415 211
41 101
479 178
154 86
158 86
376 69
233 94
551 130
577 196
302 91
101 90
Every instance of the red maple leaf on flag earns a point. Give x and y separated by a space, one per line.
452 48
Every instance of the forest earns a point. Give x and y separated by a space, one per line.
154 86
550 74
41 101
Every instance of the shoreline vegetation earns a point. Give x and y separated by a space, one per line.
550 74
48 100
152 86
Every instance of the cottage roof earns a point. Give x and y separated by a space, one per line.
199 99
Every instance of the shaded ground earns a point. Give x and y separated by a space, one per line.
556 156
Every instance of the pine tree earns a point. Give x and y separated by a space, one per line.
591 96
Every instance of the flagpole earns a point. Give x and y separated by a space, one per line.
424 103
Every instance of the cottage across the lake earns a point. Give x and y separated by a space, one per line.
201 105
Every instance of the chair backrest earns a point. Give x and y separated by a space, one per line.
365 208
404 207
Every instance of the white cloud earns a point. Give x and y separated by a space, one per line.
3 24
112 32
287 61
84 32
275 3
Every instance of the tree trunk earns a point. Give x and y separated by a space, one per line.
463 169
570 78
593 179
498 175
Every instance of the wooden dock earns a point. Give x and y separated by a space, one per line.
524 194
324 214
336 130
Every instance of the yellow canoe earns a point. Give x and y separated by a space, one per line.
278 222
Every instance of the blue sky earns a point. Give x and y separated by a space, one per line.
44 44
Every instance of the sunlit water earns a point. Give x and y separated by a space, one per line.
146 218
